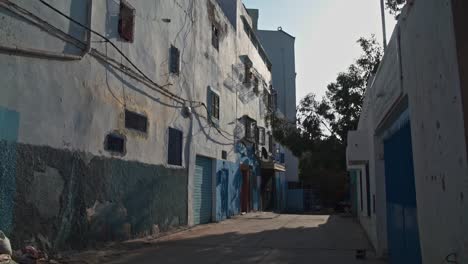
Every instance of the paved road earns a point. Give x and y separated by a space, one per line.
257 238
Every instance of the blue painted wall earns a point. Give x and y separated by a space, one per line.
228 188
229 183
295 200
9 122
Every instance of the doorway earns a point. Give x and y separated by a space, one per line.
245 191
402 222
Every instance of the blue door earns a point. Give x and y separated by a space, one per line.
202 191
223 186
402 222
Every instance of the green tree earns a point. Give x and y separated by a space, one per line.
319 136
395 6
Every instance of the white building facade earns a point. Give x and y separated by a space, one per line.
408 157
280 47
122 118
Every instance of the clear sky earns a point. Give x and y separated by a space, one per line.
326 32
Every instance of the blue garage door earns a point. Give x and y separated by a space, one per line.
402 223
202 191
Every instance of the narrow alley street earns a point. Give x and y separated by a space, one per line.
254 238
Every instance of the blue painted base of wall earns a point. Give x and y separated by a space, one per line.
295 201
75 200
9 122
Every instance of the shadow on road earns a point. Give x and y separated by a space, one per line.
284 239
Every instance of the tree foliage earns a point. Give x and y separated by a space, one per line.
395 6
319 136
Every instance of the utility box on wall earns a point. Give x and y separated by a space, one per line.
357 151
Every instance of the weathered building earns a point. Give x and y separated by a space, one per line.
122 118
408 156
279 46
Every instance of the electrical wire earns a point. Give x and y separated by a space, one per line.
143 78
168 93
116 48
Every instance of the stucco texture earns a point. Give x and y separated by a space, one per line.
74 200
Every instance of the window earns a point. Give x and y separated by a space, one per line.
136 121
215 37
368 194
115 143
174 60
126 21
273 100
248 73
257 135
360 192
255 85
224 155
261 136
213 105
174 147
270 143
250 129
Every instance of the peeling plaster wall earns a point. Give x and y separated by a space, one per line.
68 107
74 199
432 82
431 90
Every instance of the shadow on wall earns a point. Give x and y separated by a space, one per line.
325 243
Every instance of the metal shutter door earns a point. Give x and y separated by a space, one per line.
202 191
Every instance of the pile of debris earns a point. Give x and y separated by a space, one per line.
27 255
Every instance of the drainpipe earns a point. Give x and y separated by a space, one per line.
28 52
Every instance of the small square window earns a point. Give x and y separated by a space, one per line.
115 143
136 121
126 21
174 147
215 37
224 155
174 60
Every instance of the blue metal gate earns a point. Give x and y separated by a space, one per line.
402 223
202 191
